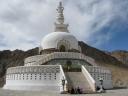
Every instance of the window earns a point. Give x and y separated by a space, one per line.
40 77
44 75
35 76
20 76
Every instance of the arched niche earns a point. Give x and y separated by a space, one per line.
63 45
62 48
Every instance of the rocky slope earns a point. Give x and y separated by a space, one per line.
121 55
118 68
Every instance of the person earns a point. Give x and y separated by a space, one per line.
63 83
81 90
69 91
78 90
75 89
72 90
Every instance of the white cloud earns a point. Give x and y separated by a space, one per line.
23 23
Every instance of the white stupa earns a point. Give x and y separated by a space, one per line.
59 66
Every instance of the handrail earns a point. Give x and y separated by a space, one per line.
97 69
62 77
89 78
33 69
58 55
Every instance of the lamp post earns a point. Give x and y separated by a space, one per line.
101 85
101 81
63 83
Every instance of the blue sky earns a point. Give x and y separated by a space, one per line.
119 36
119 41
100 23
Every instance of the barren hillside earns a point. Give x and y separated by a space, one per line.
119 69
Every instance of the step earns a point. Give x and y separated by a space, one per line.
77 79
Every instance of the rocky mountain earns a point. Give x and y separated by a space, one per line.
121 55
13 58
16 58
98 55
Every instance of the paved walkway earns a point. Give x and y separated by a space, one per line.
119 92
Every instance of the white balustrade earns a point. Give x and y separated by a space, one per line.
97 69
62 76
35 69
58 55
89 78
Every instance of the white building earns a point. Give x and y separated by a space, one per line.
59 66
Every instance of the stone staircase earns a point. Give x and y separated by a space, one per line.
77 79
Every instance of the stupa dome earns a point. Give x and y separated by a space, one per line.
56 39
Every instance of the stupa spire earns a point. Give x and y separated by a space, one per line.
60 17
59 24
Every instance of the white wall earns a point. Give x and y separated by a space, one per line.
48 81
101 72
